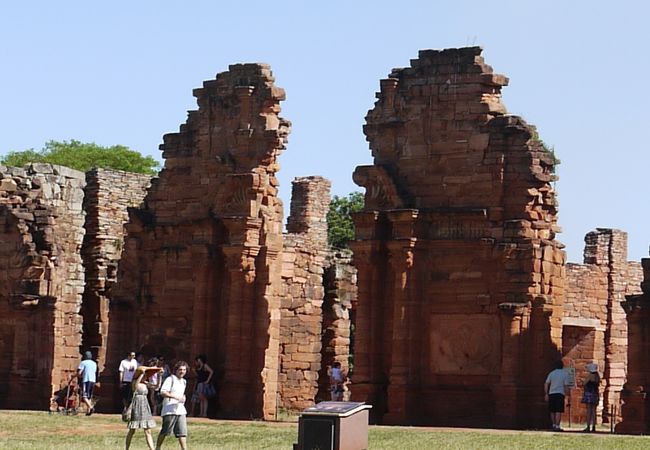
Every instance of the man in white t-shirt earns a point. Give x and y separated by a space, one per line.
173 411
556 388
127 370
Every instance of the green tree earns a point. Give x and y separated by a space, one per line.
84 156
339 218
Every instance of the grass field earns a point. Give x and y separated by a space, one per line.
38 430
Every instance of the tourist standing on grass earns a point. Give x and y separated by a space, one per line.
127 370
153 384
202 392
336 382
87 371
556 389
141 417
590 396
173 410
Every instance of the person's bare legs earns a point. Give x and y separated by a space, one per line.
159 441
183 442
204 406
129 437
88 403
148 438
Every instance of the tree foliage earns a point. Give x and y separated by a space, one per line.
339 218
84 156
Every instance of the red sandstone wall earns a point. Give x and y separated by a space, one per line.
108 195
41 281
340 283
593 312
200 271
634 396
303 257
460 278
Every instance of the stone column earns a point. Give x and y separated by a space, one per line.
403 309
369 378
512 317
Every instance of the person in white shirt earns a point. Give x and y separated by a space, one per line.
173 410
556 388
127 370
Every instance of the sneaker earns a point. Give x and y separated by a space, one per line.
586 430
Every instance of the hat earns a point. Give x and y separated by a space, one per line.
592 367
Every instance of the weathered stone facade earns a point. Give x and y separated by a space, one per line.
460 278
303 257
108 195
594 324
636 402
201 266
41 281
339 305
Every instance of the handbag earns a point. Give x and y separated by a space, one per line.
126 413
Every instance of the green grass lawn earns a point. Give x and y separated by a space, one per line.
39 430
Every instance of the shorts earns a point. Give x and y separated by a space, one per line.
175 423
87 389
556 403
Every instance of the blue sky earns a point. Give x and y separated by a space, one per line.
123 73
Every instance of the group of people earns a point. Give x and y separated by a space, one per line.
151 389
142 386
557 389
173 412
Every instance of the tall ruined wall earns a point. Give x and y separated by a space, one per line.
595 327
303 257
340 282
635 400
108 195
200 271
41 281
460 277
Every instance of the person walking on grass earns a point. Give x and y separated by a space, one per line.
87 371
174 414
141 417
556 389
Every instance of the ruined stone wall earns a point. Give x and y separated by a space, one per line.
595 328
634 396
108 195
201 266
340 282
460 277
41 281
303 257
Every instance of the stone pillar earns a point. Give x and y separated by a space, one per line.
402 310
507 392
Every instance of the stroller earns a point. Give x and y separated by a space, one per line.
66 400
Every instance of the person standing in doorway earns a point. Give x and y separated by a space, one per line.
590 396
127 370
336 382
204 386
174 414
87 371
556 390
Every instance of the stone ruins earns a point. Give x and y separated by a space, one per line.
453 303
636 403
460 277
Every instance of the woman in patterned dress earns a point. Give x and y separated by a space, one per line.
590 396
141 416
